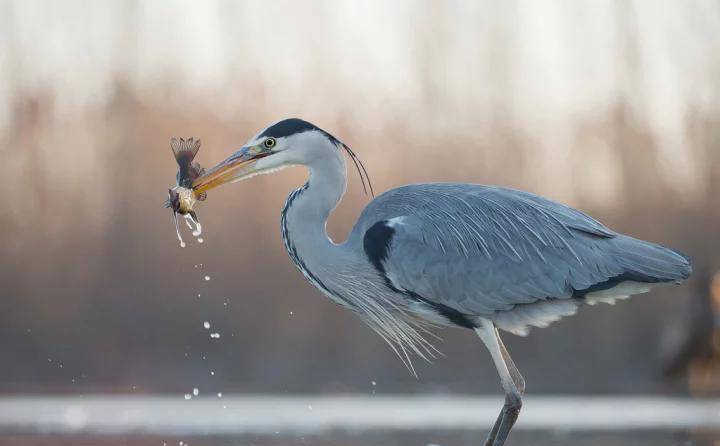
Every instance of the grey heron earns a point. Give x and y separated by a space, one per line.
484 258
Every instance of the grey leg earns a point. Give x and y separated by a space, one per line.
490 440
510 412
512 382
514 372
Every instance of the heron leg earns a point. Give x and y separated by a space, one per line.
514 372
512 382
519 382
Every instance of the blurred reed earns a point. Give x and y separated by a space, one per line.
610 106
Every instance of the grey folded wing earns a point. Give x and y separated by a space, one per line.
480 250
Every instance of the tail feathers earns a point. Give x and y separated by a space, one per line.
650 263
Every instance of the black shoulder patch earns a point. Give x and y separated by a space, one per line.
376 244
288 127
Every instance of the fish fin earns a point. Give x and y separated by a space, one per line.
195 171
173 200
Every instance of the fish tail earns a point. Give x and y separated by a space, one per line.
185 149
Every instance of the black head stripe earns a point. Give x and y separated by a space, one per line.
291 126
288 127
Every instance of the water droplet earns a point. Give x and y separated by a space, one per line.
207 277
206 324
219 394
198 230
177 230
196 391
200 240
212 373
291 313
188 396
215 335
374 383
190 221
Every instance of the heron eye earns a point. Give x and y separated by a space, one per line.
269 143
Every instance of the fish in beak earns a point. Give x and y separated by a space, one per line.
193 182
182 198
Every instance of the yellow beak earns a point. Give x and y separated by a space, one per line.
236 165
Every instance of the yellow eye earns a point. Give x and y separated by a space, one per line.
269 143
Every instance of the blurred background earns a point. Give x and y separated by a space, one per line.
612 107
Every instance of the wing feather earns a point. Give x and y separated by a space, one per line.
481 250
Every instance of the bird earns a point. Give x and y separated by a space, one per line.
479 257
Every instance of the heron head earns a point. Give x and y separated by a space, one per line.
286 143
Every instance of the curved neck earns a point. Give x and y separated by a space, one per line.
323 191
305 216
